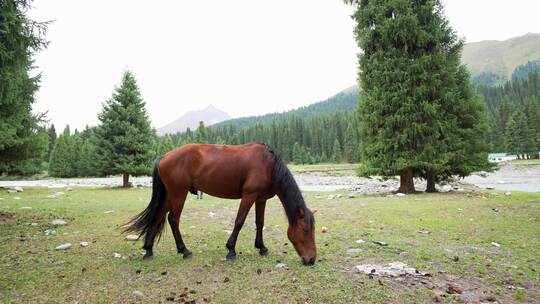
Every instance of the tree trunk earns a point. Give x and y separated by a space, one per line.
406 181
430 178
126 180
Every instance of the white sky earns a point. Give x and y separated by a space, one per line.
246 57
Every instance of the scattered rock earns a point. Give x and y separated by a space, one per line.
360 241
132 237
25 208
508 193
211 214
58 222
138 294
352 196
331 197
393 269
18 189
324 229
281 266
50 232
84 244
64 246
226 280
117 255
381 243
339 196
108 211
400 194
495 244
454 289
16 198
12 191
229 232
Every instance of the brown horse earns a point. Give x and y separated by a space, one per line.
253 173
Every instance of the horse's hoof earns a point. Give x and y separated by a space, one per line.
188 255
231 256
263 251
147 257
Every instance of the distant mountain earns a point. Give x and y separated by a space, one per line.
344 101
493 62
209 115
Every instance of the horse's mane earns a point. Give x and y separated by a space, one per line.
284 183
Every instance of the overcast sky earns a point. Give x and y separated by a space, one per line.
246 57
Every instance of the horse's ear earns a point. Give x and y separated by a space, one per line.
301 212
314 211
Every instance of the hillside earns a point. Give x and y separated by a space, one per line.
345 101
209 115
498 59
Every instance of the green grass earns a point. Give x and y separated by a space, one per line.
526 162
455 247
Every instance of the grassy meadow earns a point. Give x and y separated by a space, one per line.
449 235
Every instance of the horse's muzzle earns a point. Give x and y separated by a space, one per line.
308 261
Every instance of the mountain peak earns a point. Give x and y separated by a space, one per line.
209 115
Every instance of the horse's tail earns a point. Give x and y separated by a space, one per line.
148 219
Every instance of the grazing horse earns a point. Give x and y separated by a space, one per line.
252 172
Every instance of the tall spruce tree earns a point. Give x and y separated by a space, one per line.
21 139
410 78
125 138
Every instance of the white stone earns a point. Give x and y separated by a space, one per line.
25 208
18 189
108 211
117 255
58 222
360 241
281 266
508 193
16 198
495 244
84 244
138 294
400 194
64 246
393 269
132 237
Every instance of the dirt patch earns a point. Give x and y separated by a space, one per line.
4 216
438 287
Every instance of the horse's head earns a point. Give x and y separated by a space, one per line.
302 236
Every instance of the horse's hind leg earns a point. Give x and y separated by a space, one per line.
152 233
259 221
177 205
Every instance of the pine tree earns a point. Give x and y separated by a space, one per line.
351 143
51 132
297 154
336 152
411 81
202 134
22 144
512 136
165 145
63 161
125 138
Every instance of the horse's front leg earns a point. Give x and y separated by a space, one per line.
259 222
243 210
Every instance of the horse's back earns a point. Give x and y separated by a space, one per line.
225 171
